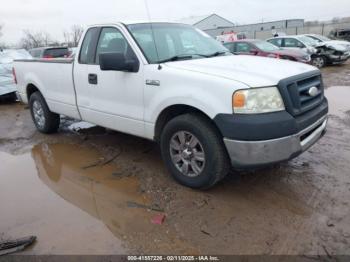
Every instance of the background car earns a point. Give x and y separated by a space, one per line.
230 37
50 52
7 83
340 34
263 48
295 42
323 39
321 54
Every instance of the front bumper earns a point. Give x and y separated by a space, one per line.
336 59
248 154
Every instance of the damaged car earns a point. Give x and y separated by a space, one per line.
323 39
322 54
7 83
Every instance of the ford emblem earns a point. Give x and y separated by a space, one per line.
313 91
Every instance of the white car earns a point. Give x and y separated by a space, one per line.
7 84
323 39
208 109
295 42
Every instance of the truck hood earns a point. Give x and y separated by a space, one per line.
251 70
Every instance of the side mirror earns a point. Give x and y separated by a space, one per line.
118 62
254 51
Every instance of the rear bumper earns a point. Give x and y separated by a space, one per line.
249 154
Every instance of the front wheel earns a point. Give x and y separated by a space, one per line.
319 61
45 121
193 151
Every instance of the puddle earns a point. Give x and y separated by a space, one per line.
79 203
338 97
56 193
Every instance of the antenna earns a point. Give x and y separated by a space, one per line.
150 22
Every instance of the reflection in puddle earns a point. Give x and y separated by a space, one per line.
96 190
73 209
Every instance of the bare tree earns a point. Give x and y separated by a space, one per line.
72 37
34 40
77 31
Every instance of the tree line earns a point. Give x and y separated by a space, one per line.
32 39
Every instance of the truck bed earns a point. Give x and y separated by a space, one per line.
54 79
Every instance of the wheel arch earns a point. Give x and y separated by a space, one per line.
31 89
175 110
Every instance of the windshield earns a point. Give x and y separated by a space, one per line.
322 38
319 38
174 40
266 47
307 40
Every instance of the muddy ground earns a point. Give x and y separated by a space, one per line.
96 191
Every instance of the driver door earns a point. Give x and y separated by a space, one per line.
115 97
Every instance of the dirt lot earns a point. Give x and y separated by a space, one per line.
96 191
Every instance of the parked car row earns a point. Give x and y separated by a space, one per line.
310 48
263 48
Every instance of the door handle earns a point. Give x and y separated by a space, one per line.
93 79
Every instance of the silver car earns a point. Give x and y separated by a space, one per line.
7 82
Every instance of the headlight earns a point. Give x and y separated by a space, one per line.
312 50
257 101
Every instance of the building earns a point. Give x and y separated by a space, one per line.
207 22
252 29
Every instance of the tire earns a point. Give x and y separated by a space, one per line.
319 61
207 161
45 121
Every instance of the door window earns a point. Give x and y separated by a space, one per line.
291 42
87 52
112 41
276 42
243 48
229 46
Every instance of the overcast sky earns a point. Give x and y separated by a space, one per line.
56 15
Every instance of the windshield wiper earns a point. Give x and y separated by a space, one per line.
218 53
176 58
190 56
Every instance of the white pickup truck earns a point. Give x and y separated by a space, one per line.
208 109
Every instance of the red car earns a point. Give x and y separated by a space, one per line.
263 48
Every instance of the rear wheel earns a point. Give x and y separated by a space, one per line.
194 152
45 121
319 61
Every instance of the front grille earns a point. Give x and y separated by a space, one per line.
295 92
